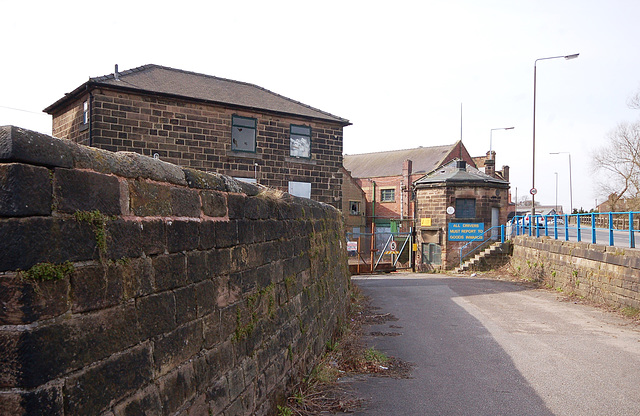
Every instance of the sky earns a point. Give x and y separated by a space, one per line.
405 73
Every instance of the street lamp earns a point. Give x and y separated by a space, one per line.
570 183
533 176
556 173
491 135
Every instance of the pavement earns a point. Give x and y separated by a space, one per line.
483 346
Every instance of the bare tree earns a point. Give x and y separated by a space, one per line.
617 164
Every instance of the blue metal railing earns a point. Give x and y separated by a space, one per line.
612 228
483 241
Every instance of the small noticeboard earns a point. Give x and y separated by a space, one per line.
352 246
465 231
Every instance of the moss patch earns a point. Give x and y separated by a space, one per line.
49 271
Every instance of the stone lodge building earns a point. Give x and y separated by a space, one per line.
208 123
456 195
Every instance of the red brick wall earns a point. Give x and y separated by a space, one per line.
199 136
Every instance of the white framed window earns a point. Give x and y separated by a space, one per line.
354 207
302 189
85 112
387 195
243 134
300 141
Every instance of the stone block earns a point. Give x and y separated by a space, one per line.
145 402
212 332
24 301
92 390
235 203
28 241
214 204
185 202
177 347
186 304
79 190
207 232
50 351
135 276
147 199
21 145
150 168
176 387
91 290
182 235
218 396
170 271
156 314
219 261
124 239
226 234
246 234
43 401
204 180
206 297
24 190
153 237
197 267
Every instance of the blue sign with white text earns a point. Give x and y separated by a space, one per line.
465 231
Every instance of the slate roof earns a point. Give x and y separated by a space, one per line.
379 164
178 83
450 173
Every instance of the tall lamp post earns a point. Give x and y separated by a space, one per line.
570 183
556 173
491 136
533 179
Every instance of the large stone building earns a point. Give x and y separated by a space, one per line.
208 123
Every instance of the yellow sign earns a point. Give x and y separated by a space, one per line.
415 247
425 222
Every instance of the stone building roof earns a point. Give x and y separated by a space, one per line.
380 164
176 83
453 172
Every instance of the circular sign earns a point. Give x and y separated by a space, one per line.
533 191
393 246
451 210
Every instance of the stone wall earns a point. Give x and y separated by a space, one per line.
601 273
132 286
198 135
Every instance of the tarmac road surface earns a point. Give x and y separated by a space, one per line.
491 347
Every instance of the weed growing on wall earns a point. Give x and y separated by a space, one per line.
98 222
49 271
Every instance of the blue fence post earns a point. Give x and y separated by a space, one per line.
555 227
502 233
546 226
566 227
632 240
610 229
593 228
577 228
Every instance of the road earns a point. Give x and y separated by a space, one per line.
491 347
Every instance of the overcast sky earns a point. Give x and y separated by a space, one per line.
399 71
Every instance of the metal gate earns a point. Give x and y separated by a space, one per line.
382 251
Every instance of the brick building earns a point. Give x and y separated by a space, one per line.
387 179
354 203
474 199
208 123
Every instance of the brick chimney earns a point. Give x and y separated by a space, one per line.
490 164
505 173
